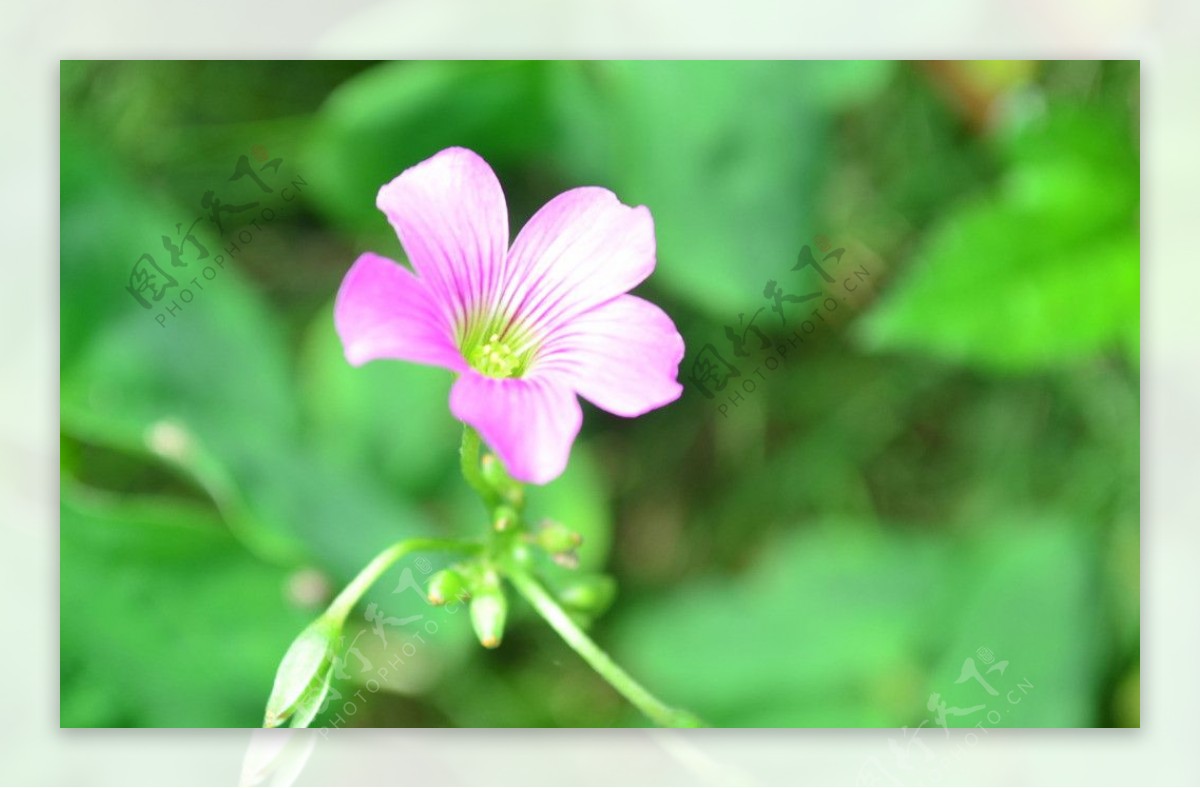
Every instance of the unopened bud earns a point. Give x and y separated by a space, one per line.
591 594
302 680
489 609
498 479
522 554
554 537
493 471
567 560
446 585
504 518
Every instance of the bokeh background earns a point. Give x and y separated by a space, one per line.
943 473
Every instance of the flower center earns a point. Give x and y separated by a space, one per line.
496 359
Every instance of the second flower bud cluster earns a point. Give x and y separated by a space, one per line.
479 586
478 581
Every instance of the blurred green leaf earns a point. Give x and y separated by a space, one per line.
165 618
389 418
391 117
728 156
219 368
1028 596
105 224
842 622
207 387
842 84
218 363
1043 270
217 376
827 630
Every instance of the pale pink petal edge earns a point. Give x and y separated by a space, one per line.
383 310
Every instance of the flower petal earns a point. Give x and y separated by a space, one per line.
622 356
529 422
384 311
450 214
581 249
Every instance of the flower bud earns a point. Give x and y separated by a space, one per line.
554 537
498 479
302 680
311 701
591 594
515 495
446 585
493 472
567 560
522 554
504 518
489 609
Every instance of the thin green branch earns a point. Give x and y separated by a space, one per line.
471 470
603 664
350 595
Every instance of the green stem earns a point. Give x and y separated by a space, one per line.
549 609
350 595
603 664
469 454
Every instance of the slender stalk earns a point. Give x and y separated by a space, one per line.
603 664
469 454
548 608
350 595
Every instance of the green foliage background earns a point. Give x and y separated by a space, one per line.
946 470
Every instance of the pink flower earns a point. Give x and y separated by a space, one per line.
527 328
